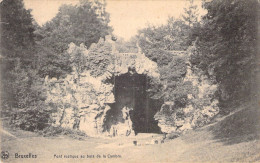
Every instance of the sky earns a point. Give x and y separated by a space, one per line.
126 16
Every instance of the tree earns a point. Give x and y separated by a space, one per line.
17 35
227 46
77 24
26 106
172 75
126 46
158 42
17 41
84 23
190 15
22 94
99 57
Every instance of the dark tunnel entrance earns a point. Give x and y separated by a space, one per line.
130 91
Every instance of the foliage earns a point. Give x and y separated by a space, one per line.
22 97
190 99
175 70
126 46
156 42
55 131
84 23
227 45
52 64
190 13
172 76
189 96
95 59
77 24
99 57
17 42
26 103
16 30
155 89
31 52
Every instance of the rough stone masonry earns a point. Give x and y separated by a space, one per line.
87 103
82 101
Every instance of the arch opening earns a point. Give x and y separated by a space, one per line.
133 111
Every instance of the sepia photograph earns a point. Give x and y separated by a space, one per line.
129 81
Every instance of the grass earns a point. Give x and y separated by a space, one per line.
241 126
57 131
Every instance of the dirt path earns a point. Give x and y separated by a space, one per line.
4 132
123 150
199 145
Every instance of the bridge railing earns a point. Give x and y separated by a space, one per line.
135 55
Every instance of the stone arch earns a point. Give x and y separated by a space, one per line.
91 101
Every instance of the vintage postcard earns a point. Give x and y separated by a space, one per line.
129 81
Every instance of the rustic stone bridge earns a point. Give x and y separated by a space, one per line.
114 104
101 108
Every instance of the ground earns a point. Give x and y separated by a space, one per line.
233 138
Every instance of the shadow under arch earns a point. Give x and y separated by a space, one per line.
130 91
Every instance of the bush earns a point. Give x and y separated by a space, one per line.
172 135
99 57
56 131
227 46
24 99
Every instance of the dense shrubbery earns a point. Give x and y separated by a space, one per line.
227 45
78 24
191 99
55 131
172 76
157 43
95 59
24 98
99 57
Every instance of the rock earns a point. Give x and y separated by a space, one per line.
172 135
67 118
82 101
88 123
199 110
